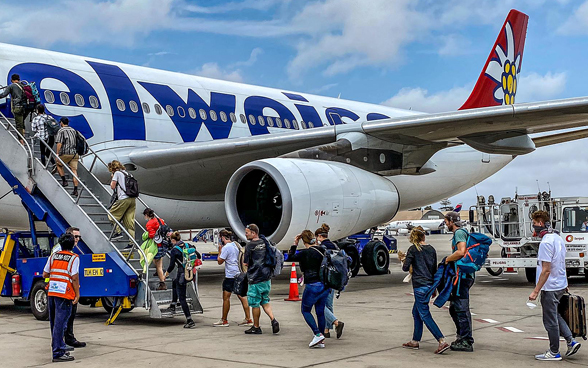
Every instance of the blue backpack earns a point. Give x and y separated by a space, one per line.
477 249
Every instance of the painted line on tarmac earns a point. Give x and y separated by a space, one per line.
486 320
509 329
410 294
543 338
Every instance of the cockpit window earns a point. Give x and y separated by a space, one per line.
575 219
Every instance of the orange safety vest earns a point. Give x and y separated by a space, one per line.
60 278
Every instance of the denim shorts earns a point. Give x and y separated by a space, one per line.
258 294
160 252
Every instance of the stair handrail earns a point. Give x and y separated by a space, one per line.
27 148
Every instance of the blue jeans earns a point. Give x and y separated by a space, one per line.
59 312
329 313
421 314
315 294
459 309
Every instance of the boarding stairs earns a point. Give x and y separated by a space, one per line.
88 211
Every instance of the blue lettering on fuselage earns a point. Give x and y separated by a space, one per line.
307 112
36 72
126 124
254 106
376 116
334 115
187 126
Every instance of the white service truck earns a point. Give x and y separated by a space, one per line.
509 224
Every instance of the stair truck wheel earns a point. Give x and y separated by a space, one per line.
39 302
375 258
355 263
531 274
108 303
494 271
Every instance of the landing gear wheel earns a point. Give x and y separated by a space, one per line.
39 301
352 252
375 258
494 271
109 303
531 274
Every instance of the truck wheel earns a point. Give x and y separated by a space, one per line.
352 252
531 274
108 303
494 271
375 258
39 302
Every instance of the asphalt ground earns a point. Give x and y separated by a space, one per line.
376 311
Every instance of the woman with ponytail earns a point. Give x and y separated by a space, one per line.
422 259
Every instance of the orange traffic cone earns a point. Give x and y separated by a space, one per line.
294 295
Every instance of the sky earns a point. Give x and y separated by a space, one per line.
420 54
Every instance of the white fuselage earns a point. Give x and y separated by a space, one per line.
118 106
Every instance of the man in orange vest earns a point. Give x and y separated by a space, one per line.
62 269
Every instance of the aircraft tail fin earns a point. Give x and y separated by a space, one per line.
457 208
497 83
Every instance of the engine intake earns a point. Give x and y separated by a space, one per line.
285 196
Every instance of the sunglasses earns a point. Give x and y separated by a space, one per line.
77 236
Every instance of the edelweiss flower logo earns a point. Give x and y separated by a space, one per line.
505 69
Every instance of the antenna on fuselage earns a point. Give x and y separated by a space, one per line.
339 97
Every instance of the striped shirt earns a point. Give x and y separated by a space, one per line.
67 137
38 126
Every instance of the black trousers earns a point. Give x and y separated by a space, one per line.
179 292
45 151
69 334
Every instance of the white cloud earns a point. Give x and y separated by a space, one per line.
453 45
324 88
159 53
419 99
233 6
577 23
536 87
252 58
213 70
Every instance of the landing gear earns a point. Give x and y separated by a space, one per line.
375 258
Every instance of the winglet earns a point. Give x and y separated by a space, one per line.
497 84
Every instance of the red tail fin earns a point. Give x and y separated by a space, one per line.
497 84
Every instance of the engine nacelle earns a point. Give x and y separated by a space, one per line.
285 196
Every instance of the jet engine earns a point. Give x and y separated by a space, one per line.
284 196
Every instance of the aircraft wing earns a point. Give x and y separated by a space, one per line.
500 129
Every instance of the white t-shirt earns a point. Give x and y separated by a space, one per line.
119 177
230 253
552 249
75 268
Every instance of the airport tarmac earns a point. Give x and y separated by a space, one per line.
376 311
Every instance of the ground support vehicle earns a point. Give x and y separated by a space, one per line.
368 251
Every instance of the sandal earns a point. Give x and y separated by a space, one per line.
411 345
442 348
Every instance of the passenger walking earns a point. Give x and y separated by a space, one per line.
66 149
123 209
421 260
39 127
62 269
152 227
229 252
179 283
70 339
17 102
322 237
552 282
459 301
315 292
259 278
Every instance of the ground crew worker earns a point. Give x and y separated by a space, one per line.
62 269
70 339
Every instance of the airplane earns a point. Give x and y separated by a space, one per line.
404 227
210 153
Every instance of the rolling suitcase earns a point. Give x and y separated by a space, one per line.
573 311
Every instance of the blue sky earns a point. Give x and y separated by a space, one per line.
424 55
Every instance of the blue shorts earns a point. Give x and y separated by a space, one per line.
160 252
258 294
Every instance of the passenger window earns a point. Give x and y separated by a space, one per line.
120 104
270 121
192 113
279 122
310 124
133 106
252 119
261 120
146 108
213 115
169 110
233 117
49 97
243 119
287 123
158 109
93 101
64 97
202 114
302 124
223 116
79 99
181 112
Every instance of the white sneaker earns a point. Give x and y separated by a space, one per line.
317 339
548 355
319 346
246 322
221 323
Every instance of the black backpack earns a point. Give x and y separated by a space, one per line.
52 126
132 186
161 233
335 271
81 144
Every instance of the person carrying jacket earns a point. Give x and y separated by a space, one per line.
421 261
315 292
179 283
322 237
153 224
